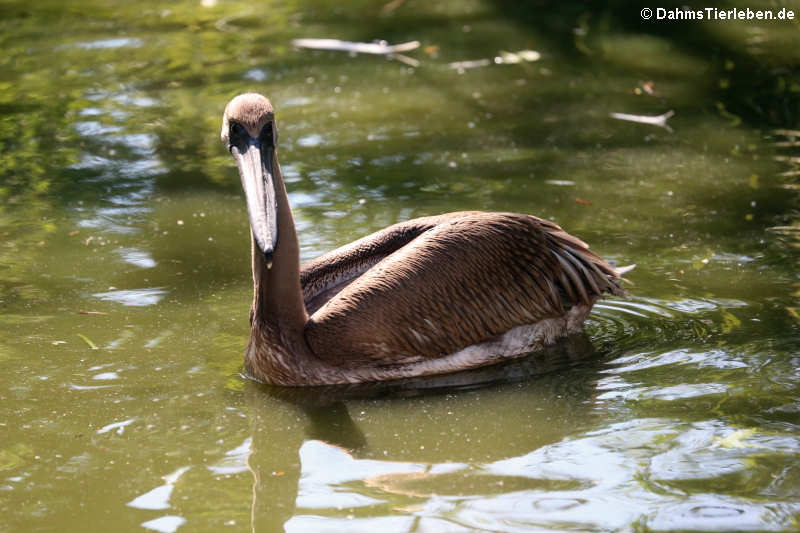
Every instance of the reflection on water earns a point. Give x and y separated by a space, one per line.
344 463
350 469
607 478
158 498
575 439
136 257
235 460
165 524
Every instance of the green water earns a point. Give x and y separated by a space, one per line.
125 283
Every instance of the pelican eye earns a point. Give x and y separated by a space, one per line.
237 130
266 135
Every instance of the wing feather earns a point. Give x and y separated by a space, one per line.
325 276
466 279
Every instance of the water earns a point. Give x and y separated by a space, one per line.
125 283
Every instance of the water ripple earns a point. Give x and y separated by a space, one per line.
134 297
158 498
121 42
311 140
621 472
127 176
683 356
94 128
136 257
624 325
235 460
711 512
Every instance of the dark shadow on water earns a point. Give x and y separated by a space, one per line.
332 423
759 86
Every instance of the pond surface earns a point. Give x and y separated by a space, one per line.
125 282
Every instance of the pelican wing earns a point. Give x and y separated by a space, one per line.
324 277
471 277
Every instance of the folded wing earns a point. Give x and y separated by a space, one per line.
468 278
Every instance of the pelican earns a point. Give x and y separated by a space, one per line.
426 296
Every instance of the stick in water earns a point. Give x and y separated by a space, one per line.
379 48
659 120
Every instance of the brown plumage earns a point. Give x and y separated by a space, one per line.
430 295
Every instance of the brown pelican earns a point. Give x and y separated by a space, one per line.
426 296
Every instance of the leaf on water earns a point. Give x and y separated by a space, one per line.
88 341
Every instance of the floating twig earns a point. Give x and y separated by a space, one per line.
410 61
391 51
88 341
91 313
659 120
379 48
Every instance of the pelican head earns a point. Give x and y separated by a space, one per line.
249 133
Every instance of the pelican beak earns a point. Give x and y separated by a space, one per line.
255 169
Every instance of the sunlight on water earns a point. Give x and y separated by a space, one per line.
135 297
611 477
